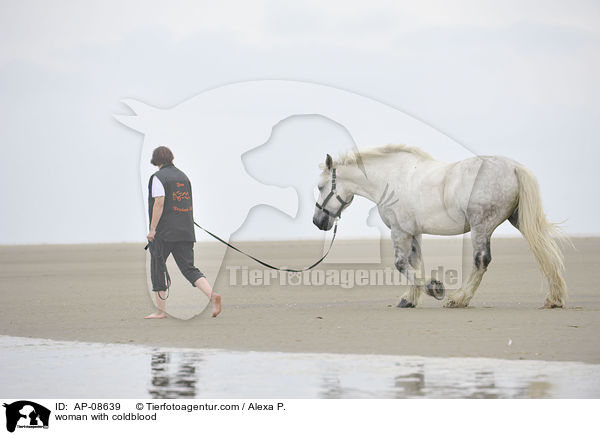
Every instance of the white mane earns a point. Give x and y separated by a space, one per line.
353 157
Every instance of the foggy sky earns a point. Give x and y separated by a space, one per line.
517 79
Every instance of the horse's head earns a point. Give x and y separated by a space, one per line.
333 197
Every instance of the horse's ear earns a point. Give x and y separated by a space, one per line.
329 162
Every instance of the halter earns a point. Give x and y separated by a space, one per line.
331 194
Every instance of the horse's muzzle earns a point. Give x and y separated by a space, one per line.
323 222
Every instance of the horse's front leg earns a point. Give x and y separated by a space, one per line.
407 259
433 288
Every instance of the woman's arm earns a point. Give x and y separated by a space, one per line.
157 210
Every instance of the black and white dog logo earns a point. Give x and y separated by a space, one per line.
26 414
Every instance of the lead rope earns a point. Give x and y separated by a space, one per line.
168 281
267 264
168 278
166 272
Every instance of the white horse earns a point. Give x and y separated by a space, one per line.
416 194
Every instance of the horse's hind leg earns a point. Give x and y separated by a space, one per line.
407 259
482 257
492 200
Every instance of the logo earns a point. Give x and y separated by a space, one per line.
26 414
178 196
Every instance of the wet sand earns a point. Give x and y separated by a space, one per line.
98 293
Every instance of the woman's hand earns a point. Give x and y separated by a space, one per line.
151 235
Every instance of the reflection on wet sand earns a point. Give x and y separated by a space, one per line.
485 386
164 373
176 375
413 385
540 390
332 388
173 378
409 386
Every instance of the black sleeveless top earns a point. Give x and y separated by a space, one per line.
177 222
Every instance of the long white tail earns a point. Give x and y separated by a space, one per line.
541 235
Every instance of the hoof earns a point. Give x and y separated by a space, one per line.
435 289
454 304
405 304
550 304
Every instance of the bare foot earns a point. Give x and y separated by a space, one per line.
157 315
216 304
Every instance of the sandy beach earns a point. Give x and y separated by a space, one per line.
98 293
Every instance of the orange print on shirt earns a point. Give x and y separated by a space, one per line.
178 196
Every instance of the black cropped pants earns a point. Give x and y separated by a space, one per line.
183 253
